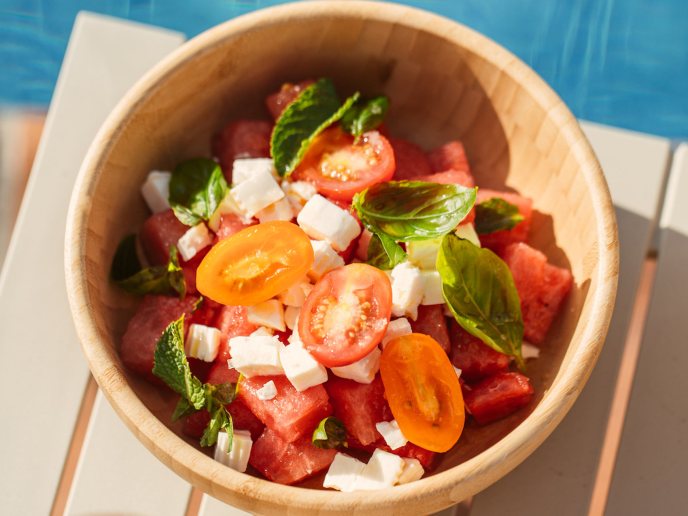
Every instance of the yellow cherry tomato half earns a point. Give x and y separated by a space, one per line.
423 391
255 264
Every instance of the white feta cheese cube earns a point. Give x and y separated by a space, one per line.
256 193
203 342
363 370
298 193
413 470
280 210
291 317
383 470
195 239
256 355
432 288
324 220
156 190
324 259
237 458
396 328
529 351
246 168
227 206
457 371
391 433
423 253
297 293
267 391
407 290
269 313
262 332
467 231
343 472
301 368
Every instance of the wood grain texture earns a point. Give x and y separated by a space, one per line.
517 132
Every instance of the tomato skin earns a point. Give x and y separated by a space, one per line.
346 314
423 391
255 264
340 168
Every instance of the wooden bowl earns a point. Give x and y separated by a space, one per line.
446 82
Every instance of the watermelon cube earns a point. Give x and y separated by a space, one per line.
450 156
288 462
475 358
498 240
232 321
541 286
410 160
230 224
158 233
242 139
450 177
278 101
431 321
290 414
498 396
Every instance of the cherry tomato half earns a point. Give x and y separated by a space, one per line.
340 168
423 391
346 314
255 264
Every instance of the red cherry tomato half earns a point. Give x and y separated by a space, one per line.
346 314
340 168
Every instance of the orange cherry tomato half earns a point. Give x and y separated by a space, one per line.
340 168
423 391
346 314
255 264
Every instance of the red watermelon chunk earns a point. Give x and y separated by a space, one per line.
541 286
475 358
498 240
450 156
360 406
498 396
152 316
232 321
195 424
450 177
431 321
288 462
290 414
242 139
278 101
159 232
410 160
230 224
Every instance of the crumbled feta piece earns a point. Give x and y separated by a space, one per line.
423 253
203 342
457 371
269 313
324 259
396 328
301 368
262 332
280 210
246 168
391 433
467 231
407 290
257 192
413 470
383 470
296 294
298 193
156 190
256 355
363 370
267 391
227 206
343 472
237 458
529 351
324 220
195 239
432 288
291 316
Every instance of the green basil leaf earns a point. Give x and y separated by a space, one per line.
384 253
365 115
413 210
197 187
172 367
160 279
126 260
495 215
308 115
183 409
330 433
481 294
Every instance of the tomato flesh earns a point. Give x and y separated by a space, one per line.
346 314
423 391
255 264
340 168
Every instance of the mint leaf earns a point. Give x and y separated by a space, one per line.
183 409
480 292
223 393
330 433
308 115
172 367
197 187
365 115
161 279
220 419
495 215
126 260
384 253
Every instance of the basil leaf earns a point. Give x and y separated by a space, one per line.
161 279
126 260
480 292
308 115
495 215
365 115
330 433
197 187
384 253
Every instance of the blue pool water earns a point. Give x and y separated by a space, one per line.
618 62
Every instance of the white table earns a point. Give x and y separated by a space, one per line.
65 451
